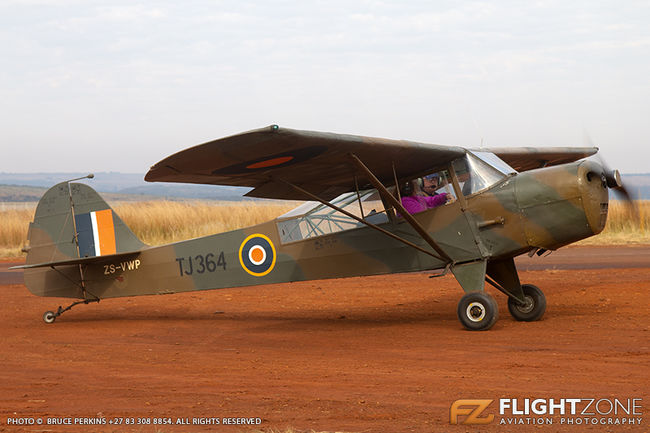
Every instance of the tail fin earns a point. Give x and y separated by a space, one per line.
72 221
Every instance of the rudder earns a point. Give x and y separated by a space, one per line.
65 207
72 221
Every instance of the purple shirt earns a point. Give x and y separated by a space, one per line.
421 203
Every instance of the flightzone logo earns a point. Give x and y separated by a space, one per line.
542 411
471 410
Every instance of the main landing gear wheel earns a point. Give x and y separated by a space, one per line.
49 317
478 311
534 307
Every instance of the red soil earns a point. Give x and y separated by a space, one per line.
377 354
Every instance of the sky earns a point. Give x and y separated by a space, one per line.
117 86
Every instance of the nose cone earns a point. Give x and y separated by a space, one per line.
562 204
593 182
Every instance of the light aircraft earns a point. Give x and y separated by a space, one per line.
499 203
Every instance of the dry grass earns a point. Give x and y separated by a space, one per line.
161 222
623 226
14 224
157 222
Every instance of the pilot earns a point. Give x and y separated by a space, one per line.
430 184
414 201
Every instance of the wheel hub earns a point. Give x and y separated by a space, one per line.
527 306
475 311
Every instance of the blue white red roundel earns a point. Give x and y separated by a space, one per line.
257 255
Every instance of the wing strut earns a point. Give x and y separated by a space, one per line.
356 218
396 203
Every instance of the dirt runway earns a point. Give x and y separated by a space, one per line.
375 354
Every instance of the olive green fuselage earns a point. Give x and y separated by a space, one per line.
545 208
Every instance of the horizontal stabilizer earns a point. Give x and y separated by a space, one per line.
82 261
74 232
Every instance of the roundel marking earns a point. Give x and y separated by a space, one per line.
277 160
257 255
270 162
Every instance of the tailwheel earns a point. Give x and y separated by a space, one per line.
534 307
478 311
49 317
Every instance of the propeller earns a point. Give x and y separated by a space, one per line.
614 180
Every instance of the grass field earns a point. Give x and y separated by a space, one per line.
623 226
160 222
154 222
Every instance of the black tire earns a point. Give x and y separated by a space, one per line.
478 311
49 317
533 309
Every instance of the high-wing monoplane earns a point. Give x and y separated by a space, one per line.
498 203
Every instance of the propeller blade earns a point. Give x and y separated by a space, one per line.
614 180
613 177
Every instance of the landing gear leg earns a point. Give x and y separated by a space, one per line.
50 316
477 310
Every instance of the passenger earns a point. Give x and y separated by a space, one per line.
465 179
414 202
463 174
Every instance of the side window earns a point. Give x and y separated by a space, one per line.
315 219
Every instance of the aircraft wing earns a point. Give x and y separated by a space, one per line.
529 158
319 162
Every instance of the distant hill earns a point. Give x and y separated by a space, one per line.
103 182
32 194
638 185
31 186
20 193
25 187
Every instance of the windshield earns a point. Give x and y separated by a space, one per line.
476 172
496 162
315 219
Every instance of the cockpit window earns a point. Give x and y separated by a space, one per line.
315 219
496 162
476 173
